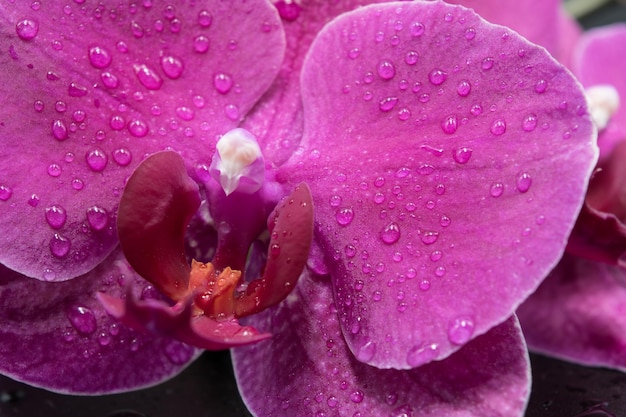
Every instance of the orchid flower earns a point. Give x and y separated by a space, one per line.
446 157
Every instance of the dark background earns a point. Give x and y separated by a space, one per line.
208 389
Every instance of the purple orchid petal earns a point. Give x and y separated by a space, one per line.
443 180
277 120
88 90
600 231
306 369
578 314
58 336
291 233
600 60
158 203
200 331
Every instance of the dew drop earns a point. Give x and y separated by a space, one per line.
96 160
404 114
201 44
461 330
82 319
185 113
5 193
411 57
222 82
387 104
122 157
462 155
498 127
417 29
344 216
487 64
137 128
476 110
529 123
204 18
386 69
148 77
470 33
56 216
366 351
541 86
99 57
232 111
97 217
59 245
463 88
390 234
449 125
54 170
76 90
429 238
523 182
496 189
357 396
437 76
117 123
27 29
59 130
172 67
421 354
77 184
178 353
109 80
38 105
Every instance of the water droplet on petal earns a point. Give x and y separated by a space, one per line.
390 233
205 18
429 238
462 155
417 29
487 64
470 33
530 122
496 189
54 170
201 44
76 90
137 128
222 82
388 104
344 216
461 330
172 67
27 29
523 182
5 192
97 160
437 76
59 130
148 77
541 86
386 69
366 352
449 125
463 88
97 217
56 216
421 354
122 156
411 58
178 352
498 127
82 319
357 396
232 111
99 57
59 245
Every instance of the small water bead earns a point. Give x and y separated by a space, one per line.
60 106
59 245
424 285
461 330
77 184
201 44
541 86
354 53
425 169
496 189
421 354
57 45
137 128
487 63
498 127
390 234
104 338
386 69
54 170
529 123
379 198
76 90
96 160
379 37
232 111
109 80
205 18
470 33
404 114
523 182
97 217
79 116
122 47
185 113
27 29
148 77
440 189
38 105
357 396
122 156
417 29
476 110
428 238
387 104
463 88
59 130
172 66
437 76
5 193
82 319
56 216
99 57
33 201
366 351
450 124
335 201
344 216
136 29
440 271
462 155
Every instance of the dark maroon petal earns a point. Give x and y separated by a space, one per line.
89 89
58 336
291 233
158 202
578 314
277 120
178 323
448 162
307 370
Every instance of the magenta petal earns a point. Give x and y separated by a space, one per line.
157 205
89 89
57 336
306 369
579 314
600 60
178 323
442 181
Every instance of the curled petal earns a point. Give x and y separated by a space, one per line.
89 89
453 179
179 323
306 369
578 314
291 231
158 202
47 327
